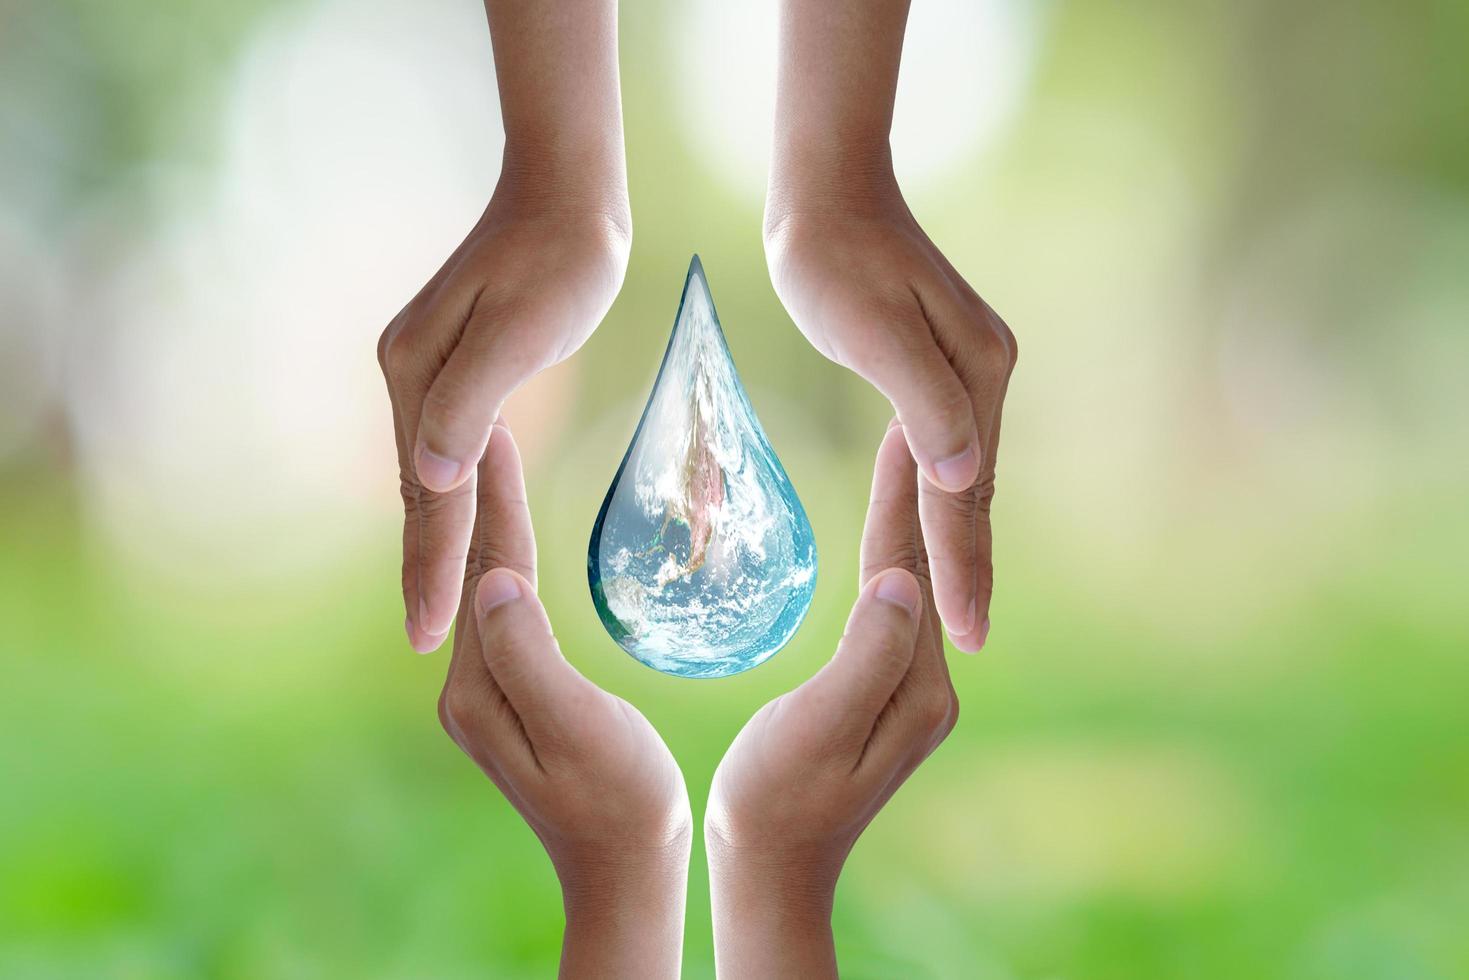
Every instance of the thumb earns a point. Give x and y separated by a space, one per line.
522 654
931 402
873 656
492 359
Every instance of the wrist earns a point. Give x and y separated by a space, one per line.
797 881
539 180
624 911
851 180
593 876
771 911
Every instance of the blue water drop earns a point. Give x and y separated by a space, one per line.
702 562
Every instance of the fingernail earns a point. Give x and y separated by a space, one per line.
898 589
957 472
984 633
435 471
426 642
496 589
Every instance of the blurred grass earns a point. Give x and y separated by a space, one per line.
264 791
1221 729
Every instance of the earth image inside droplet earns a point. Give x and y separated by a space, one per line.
702 562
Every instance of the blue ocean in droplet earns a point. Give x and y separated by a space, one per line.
702 562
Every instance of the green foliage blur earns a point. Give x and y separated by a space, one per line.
1220 730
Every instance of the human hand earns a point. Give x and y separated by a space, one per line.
524 290
870 290
584 768
813 767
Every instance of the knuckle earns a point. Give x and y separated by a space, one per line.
984 496
901 554
445 512
1007 336
383 341
955 508
476 564
484 558
934 710
953 717
454 709
992 351
398 356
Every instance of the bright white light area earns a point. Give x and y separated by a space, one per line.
966 66
231 397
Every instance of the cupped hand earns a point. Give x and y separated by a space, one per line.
523 291
811 769
871 292
585 769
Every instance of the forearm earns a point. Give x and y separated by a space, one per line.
772 916
560 100
837 78
624 918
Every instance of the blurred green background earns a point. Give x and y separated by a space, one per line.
1220 730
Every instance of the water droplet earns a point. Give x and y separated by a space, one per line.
702 562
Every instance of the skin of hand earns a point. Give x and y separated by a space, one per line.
523 291
813 767
871 292
584 768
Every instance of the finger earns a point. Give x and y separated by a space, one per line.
921 712
420 640
890 534
503 535
445 530
984 364
497 351
948 522
977 346
842 701
911 370
436 527
984 547
981 354
546 692
477 715
923 707
929 662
